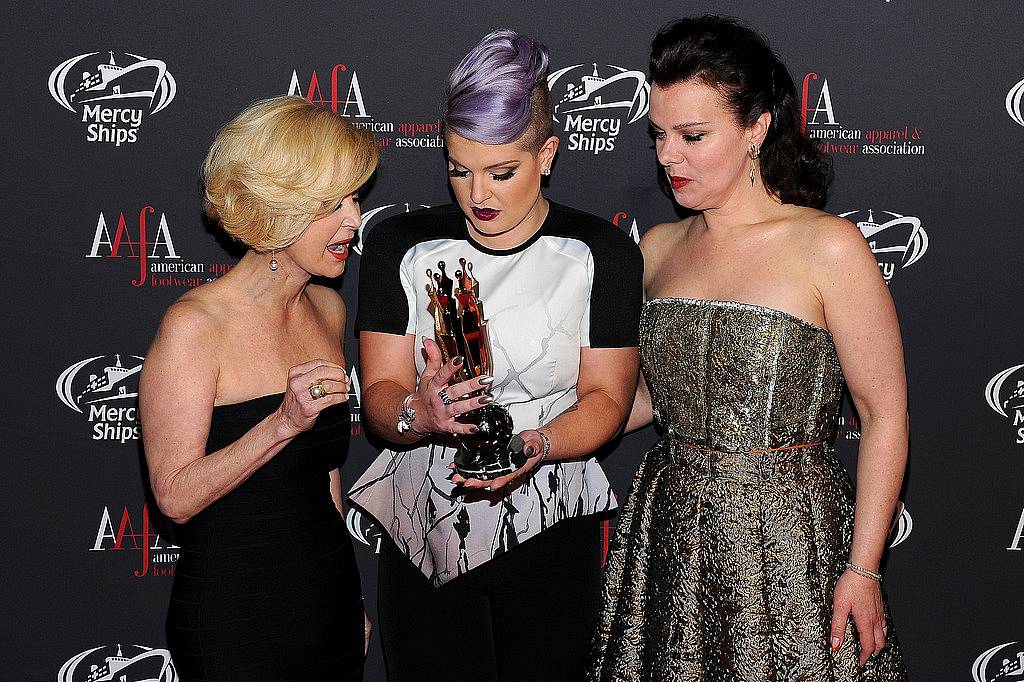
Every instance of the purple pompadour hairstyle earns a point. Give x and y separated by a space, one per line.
498 89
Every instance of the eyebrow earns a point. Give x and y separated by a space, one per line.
681 126
492 166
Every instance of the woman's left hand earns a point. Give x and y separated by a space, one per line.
533 446
861 598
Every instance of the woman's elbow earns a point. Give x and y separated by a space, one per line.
171 503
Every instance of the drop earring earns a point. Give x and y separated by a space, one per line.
273 258
754 152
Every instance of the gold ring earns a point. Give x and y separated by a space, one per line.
317 390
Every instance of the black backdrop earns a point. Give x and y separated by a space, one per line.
919 102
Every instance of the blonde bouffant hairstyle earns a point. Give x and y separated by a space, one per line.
281 164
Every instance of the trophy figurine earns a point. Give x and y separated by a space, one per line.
460 328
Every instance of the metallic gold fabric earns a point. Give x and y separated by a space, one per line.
726 556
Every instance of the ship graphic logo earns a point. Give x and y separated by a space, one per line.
120 663
898 241
902 525
362 528
999 663
1004 392
138 81
621 89
100 379
374 215
1013 103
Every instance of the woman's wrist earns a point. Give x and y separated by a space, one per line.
863 571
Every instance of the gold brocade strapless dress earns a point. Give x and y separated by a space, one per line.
739 520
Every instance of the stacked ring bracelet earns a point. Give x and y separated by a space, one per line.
867 573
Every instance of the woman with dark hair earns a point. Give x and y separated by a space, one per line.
738 555
495 579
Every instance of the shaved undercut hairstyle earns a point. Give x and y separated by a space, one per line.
499 92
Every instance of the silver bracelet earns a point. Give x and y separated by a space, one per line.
406 416
867 573
547 447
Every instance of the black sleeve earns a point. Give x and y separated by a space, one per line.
383 299
617 294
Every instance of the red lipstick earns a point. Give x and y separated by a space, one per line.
339 250
678 181
485 213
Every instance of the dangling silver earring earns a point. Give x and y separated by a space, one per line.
754 152
273 260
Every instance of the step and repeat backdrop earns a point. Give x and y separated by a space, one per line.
919 103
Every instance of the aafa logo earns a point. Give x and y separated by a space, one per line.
1004 393
1013 103
363 529
818 120
123 663
902 525
618 220
123 245
112 99
589 102
156 556
370 218
355 393
898 242
999 662
352 105
107 387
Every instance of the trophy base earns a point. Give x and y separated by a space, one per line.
484 455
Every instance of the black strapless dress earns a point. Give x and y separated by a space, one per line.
266 587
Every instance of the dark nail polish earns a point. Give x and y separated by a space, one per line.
474 429
530 452
486 381
458 360
487 398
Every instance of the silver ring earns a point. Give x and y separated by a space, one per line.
317 390
443 395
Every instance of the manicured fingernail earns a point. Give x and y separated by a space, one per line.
474 429
530 451
458 360
835 643
486 380
488 398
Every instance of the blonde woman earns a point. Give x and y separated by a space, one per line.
243 396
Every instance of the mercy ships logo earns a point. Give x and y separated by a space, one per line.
123 663
108 387
998 663
1004 393
112 99
898 241
592 108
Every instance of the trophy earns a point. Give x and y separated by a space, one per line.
460 328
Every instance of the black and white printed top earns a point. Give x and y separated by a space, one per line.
577 282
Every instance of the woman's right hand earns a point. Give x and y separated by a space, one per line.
300 409
432 415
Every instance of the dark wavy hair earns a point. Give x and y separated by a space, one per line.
736 61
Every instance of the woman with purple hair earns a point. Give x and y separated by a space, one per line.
500 578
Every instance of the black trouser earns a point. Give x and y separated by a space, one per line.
528 614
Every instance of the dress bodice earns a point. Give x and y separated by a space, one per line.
739 377
292 487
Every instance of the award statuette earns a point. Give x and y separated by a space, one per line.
460 328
